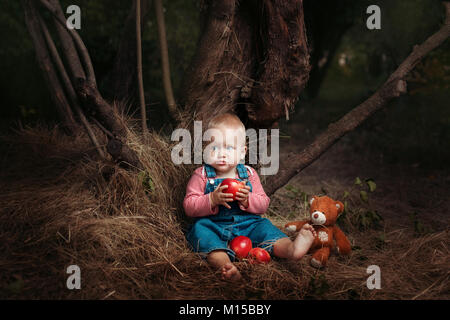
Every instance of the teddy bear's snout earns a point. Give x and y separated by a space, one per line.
318 217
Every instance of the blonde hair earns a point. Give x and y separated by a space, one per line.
227 119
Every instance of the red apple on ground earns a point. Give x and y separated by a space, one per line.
241 246
233 186
258 255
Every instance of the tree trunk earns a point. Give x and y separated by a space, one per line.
252 59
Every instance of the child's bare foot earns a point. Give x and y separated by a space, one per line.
303 241
230 272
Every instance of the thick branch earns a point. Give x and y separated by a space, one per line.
103 111
68 47
56 91
393 87
68 85
77 39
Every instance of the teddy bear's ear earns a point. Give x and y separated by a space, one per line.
340 207
312 200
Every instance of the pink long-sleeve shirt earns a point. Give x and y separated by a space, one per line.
197 204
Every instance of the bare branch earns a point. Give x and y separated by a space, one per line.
68 47
393 87
165 59
68 85
139 68
56 91
77 39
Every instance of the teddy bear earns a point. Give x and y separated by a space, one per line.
324 212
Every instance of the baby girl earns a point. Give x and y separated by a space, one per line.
219 219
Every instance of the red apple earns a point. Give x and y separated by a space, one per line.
258 255
241 246
233 186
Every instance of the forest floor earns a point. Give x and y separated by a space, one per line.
61 205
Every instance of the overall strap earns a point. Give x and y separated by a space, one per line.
210 172
242 171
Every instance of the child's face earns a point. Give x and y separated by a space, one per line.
226 150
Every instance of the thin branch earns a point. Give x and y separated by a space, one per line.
77 39
68 47
393 87
139 68
68 85
165 59
50 76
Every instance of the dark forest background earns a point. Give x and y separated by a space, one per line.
415 129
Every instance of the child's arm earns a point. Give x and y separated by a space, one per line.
258 201
196 203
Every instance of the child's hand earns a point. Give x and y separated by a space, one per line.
242 196
219 197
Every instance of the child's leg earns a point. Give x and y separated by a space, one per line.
220 260
295 250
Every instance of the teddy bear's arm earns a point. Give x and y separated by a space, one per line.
296 225
342 243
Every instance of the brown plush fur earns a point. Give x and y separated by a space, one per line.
326 229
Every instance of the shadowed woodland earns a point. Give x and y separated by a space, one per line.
86 172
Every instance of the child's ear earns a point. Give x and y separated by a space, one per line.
243 153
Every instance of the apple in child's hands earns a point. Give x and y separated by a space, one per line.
241 246
258 255
233 186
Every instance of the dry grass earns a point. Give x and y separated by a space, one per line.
60 205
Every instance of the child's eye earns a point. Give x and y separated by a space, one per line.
215 148
230 148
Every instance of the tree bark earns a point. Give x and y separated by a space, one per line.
252 59
91 98
393 87
84 54
286 70
102 110
68 85
68 47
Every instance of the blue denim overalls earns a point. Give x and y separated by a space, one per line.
214 232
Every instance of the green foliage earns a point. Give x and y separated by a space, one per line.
357 209
147 182
419 228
